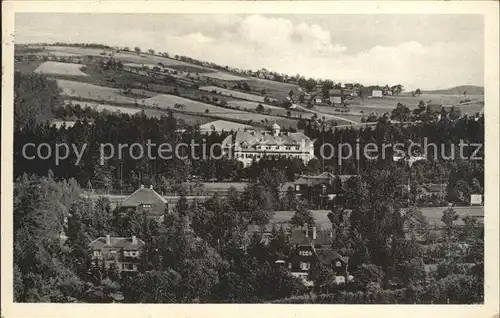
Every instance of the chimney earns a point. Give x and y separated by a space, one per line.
108 239
134 239
142 186
314 232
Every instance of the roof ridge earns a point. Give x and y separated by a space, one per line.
131 195
144 188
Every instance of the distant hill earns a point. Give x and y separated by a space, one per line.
459 90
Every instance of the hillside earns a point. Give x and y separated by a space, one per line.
459 90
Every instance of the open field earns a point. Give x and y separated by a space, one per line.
182 118
59 68
231 93
53 53
105 107
252 105
356 112
132 57
224 76
412 101
222 187
388 103
107 94
273 89
168 101
471 109
93 92
27 67
275 110
434 214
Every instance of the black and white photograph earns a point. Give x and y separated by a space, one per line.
250 158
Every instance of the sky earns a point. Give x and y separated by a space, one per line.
417 51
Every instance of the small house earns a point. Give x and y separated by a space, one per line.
120 253
144 201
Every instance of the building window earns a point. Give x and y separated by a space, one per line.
338 264
97 253
128 266
304 266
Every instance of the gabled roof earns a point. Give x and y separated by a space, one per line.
117 242
327 256
258 138
143 196
298 237
336 92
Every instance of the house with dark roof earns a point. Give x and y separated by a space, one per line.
120 253
144 201
337 96
318 190
312 249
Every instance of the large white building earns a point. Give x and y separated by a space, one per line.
246 146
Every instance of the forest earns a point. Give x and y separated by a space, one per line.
195 254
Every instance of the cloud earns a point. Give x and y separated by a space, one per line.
312 47
279 45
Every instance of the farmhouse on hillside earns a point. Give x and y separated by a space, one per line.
336 96
249 146
380 91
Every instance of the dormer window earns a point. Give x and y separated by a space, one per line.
338 264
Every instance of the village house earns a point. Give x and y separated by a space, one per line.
144 201
249 146
318 190
120 253
337 96
311 250
380 91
